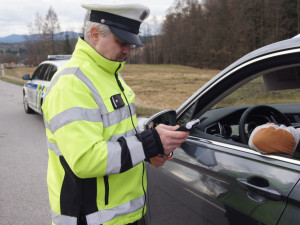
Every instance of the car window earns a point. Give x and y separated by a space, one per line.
278 88
44 72
51 71
256 92
37 72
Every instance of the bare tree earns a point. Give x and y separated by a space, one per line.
67 48
50 28
34 41
213 33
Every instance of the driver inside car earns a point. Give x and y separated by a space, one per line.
272 138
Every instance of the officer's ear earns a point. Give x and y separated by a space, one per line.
95 34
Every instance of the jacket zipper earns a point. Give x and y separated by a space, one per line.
117 78
106 185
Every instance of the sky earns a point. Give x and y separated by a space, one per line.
16 15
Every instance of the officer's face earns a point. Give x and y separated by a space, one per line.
112 48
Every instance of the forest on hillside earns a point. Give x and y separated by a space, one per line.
214 33
197 33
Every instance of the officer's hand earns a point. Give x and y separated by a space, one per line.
159 161
170 138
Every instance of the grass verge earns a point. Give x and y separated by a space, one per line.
156 87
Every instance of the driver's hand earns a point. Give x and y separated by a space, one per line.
159 160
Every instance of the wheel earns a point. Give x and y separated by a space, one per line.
259 109
26 106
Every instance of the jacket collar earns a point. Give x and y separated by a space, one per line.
84 51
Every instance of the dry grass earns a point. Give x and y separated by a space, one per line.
18 72
164 86
157 87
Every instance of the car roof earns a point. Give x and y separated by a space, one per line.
292 43
57 60
58 63
287 44
271 48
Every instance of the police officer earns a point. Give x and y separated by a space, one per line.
96 172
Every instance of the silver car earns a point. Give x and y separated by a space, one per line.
216 178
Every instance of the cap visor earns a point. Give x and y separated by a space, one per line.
126 36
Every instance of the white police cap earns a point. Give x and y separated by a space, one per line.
123 20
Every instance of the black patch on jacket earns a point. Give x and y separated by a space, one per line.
126 162
78 196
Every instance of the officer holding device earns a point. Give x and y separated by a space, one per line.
96 172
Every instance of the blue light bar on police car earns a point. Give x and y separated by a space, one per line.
59 57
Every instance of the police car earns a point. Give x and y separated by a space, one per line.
34 90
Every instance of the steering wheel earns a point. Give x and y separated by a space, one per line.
259 108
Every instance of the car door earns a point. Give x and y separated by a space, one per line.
291 214
39 84
44 80
209 183
32 86
217 180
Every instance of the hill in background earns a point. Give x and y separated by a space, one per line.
20 38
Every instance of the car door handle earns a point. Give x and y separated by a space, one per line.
261 188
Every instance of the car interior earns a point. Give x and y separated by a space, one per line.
271 96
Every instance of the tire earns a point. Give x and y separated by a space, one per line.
26 106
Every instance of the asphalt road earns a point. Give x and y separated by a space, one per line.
23 162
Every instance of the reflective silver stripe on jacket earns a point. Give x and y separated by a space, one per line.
80 75
106 215
118 115
113 158
136 150
94 115
108 119
65 71
128 133
63 220
53 147
74 114
114 154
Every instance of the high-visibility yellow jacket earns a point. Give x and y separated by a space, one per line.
96 159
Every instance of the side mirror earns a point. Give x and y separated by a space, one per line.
26 77
167 117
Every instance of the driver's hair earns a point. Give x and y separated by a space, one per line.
272 138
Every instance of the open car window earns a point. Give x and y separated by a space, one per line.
271 88
277 88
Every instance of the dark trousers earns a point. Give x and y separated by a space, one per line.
82 221
134 223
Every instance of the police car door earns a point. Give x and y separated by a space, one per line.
36 85
31 86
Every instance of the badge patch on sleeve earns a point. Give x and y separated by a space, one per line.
117 101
